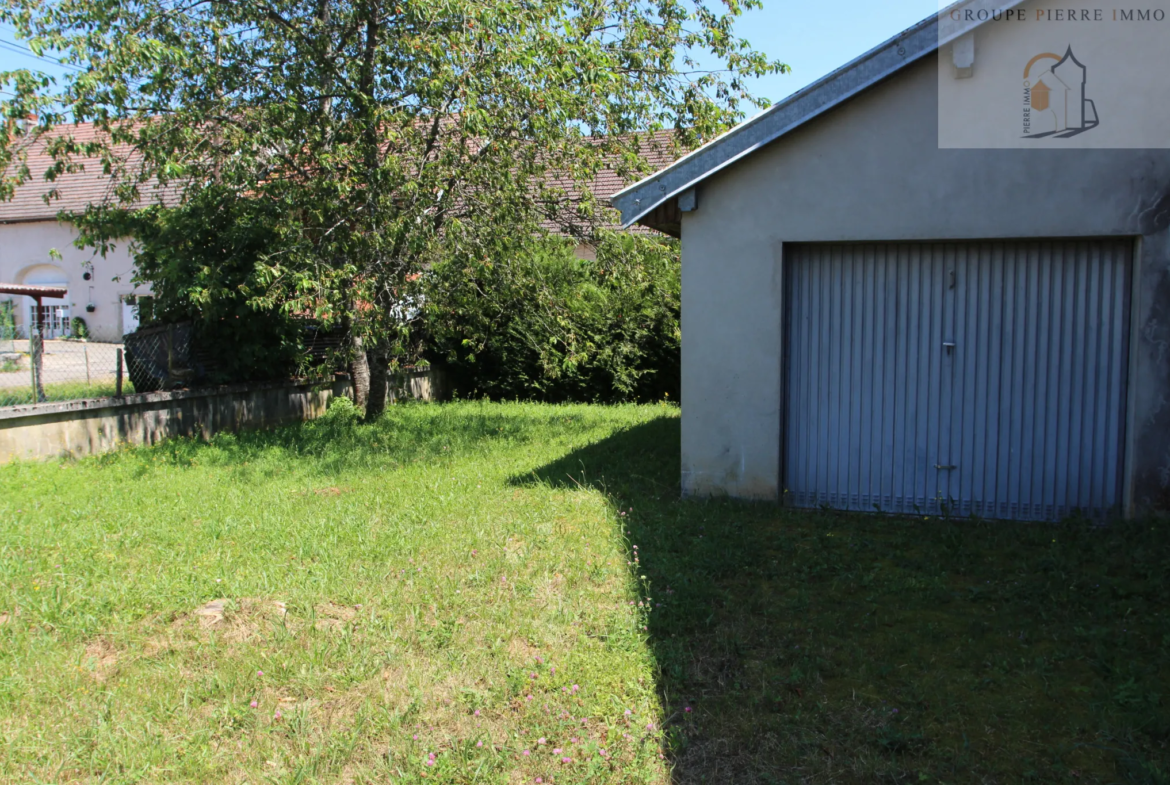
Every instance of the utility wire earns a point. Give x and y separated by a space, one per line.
16 48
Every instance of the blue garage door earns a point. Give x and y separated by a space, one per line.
981 378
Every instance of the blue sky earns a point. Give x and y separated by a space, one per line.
812 36
816 37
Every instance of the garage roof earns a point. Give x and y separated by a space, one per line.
654 200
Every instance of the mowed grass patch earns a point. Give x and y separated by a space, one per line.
394 605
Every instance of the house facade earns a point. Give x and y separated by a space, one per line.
874 321
100 289
37 248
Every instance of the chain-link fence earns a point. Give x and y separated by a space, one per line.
160 357
34 370
154 358
42 370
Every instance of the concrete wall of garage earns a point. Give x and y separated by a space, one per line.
871 170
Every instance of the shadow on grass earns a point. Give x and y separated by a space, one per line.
817 647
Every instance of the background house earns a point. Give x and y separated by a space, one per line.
100 289
872 322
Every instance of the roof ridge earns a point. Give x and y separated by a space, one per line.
868 69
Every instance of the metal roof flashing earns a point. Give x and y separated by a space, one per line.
638 200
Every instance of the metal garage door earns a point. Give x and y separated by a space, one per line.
971 378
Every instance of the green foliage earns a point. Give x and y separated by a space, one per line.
537 322
7 320
78 328
341 410
203 260
380 138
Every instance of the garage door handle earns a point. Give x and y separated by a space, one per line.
945 468
949 346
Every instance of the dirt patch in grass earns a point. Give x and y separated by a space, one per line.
331 616
521 651
100 659
235 620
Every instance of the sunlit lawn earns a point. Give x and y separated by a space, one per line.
427 598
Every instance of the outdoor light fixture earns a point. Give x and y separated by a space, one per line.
87 275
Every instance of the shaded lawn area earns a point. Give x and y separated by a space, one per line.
825 647
400 589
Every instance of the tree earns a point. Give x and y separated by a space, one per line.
382 135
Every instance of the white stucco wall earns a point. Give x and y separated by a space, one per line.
25 254
872 170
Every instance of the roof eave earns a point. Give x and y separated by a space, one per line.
878 64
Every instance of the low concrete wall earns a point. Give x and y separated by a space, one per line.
97 425
420 384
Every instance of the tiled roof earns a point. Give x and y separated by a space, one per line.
74 190
657 149
77 190
33 291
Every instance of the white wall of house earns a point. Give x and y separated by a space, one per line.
872 170
26 258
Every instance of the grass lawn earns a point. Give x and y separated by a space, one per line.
61 391
515 588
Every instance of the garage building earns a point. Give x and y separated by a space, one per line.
872 322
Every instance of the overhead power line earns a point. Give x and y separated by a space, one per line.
16 48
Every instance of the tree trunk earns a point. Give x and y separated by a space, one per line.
379 383
359 372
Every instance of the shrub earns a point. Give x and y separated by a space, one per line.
540 323
204 259
7 320
79 328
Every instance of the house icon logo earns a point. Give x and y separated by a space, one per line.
1055 104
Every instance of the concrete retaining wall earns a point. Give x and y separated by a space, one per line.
97 425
